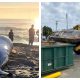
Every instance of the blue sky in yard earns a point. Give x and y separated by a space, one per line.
56 11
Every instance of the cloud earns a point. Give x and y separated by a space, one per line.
50 12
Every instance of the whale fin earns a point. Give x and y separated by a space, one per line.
3 72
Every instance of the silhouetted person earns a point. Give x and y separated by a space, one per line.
31 35
11 35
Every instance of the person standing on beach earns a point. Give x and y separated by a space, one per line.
11 35
31 35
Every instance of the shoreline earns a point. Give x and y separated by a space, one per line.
23 44
26 43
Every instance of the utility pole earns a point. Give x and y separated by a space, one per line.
66 20
56 25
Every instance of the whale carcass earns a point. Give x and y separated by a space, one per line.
5 48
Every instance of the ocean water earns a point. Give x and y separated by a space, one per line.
20 36
20 29
24 41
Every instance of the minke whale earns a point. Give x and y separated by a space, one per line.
6 46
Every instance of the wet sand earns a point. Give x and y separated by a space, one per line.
23 61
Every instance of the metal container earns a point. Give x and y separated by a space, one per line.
56 57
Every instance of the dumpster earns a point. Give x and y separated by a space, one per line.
56 57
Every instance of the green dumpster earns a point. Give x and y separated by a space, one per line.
56 57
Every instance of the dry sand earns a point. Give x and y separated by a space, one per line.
23 61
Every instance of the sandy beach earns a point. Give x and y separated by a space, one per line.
23 61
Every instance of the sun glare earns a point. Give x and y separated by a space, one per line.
36 23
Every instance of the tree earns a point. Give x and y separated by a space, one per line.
77 27
47 31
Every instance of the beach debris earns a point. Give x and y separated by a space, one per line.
23 64
22 72
14 51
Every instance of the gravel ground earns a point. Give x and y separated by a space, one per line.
23 61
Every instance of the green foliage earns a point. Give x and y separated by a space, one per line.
77 27
47 31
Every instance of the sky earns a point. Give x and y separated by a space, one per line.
19 10
24 12
56 11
